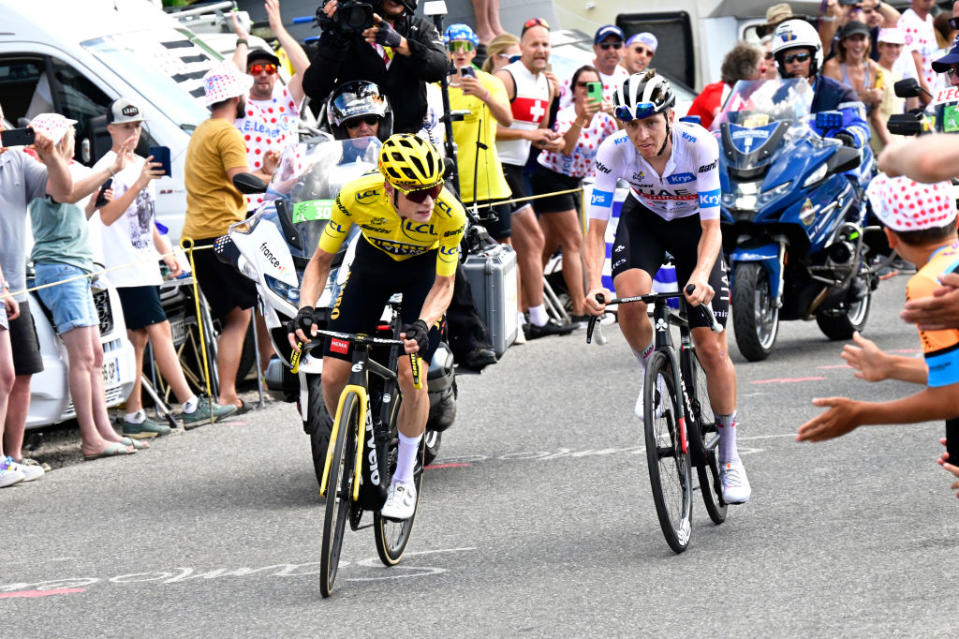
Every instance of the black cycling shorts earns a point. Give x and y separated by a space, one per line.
642 240
375 277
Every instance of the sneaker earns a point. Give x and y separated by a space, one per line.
9 473
202 412
31 469
638 409
736 488
400 501
479 358
147 429
552 327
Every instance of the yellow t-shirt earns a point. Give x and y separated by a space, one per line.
364 202
479 126
212 202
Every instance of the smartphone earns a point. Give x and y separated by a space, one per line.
595 90
467 72
101 199
161 154
17 137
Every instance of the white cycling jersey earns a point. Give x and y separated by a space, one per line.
689 184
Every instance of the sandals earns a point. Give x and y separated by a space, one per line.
113 449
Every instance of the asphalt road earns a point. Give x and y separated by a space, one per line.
537 520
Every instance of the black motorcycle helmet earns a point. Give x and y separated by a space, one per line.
356 99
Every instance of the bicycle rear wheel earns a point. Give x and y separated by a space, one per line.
392 536
667 455
703 439
339 491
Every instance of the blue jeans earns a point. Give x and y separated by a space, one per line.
72 302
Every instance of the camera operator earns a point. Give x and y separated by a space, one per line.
393 49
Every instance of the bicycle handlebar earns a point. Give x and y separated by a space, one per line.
360 339
653 298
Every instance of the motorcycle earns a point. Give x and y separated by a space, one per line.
272 248
793 216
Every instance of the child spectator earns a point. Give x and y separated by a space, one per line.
501 51
130 237
920 224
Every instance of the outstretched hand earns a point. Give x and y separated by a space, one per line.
841 418
870 363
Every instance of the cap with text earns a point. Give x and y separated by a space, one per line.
905 205
606 31
123 111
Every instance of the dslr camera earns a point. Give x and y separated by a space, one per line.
350 17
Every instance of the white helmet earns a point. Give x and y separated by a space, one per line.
642 95
792 34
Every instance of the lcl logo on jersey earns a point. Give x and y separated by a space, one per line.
366 195
416 230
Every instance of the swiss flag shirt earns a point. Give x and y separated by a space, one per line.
269 125
530 107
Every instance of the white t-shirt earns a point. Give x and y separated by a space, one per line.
269 125
921 37
610 84
130 238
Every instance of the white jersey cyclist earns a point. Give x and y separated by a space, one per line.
688 185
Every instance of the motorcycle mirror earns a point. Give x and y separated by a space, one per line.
904 123
844 159
908 88
248 184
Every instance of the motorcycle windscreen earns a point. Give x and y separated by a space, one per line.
308 178
757 115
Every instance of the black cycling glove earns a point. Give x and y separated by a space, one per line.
304 321
846 138
387 36
420 332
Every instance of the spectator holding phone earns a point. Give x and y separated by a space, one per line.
63 262
131 240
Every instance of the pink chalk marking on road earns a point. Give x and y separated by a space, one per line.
432 466
41 593
832 366
786 380
905 351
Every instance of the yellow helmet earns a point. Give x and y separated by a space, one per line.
410 163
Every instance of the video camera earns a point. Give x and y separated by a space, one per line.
351 16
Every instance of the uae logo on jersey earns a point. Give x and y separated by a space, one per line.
529 110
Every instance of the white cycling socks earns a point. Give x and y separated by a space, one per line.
406 458
538 315
643 357
726 425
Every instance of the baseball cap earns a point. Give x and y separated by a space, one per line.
892 36
941 65
646 38
123 111
460 31
52 125
608 30
905 205
262 54
853 27
224 81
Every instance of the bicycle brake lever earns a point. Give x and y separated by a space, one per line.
592 320
707 311
415 366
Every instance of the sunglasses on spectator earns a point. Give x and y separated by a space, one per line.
257 69
606 46
368 120
510 58
583 83
418 196
642 110
638 48
535 22
459 46
796 57
953 71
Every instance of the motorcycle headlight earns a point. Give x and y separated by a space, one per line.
815 177
770 194
284 290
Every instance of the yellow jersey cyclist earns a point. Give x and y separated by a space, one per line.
411 228
673 205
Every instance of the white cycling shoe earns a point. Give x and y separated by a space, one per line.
638 409
400 501
736 488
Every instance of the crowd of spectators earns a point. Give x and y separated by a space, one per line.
528 141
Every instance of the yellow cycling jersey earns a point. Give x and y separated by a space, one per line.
364 202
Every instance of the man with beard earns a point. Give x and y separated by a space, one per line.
217 154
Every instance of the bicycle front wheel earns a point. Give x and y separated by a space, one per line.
703 438
667 455
393 536
339 490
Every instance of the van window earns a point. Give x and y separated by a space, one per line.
24 95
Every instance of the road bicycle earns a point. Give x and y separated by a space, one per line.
364 430
680 429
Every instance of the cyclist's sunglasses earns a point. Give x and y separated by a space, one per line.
368 120
418 196
643 110
459 46
257 69
796 57
606 46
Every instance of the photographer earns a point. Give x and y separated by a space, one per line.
397 52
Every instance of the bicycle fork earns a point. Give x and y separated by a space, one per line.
664 343
357 385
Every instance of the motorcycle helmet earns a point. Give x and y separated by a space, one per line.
410 163
793 34
357 99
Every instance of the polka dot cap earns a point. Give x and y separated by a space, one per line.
52 125
905 205
224 81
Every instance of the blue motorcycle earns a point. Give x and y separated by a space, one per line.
793 216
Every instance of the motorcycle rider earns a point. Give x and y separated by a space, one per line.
411 230
359 109
798 53
673 205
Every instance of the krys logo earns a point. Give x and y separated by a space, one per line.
416 230
680 178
